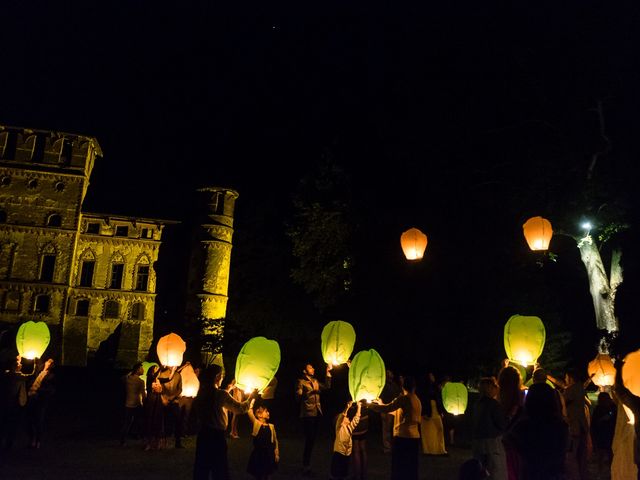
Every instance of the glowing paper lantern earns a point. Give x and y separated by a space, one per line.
631 378
455 397
170 350
145 368
338 339
32 339
538 233
367 376
602 371
257 364
190 382
524 339
413 243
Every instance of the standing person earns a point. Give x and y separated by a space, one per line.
135 394
38 397
343 445
359 459
488 423
432 427
576 407
540 436
511 399
406 433
390 391
153 411
623 465
308 390
171 382
266 454
603 425
13 401
632 402
212 405
182 411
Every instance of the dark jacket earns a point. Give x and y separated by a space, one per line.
308 394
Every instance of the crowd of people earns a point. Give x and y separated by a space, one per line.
545 428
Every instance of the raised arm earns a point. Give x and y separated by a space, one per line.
389 407
235 406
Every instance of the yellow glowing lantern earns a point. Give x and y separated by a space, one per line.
413 243
367 375
455 397
257 364
524 339
337 341
538 233
190 382
170 350
32 339
631 378
602 371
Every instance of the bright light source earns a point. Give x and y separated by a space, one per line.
586 225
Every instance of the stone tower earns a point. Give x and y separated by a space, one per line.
209 265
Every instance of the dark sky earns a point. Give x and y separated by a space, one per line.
463 117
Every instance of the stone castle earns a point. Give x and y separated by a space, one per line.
85 274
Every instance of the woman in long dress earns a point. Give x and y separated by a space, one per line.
431 424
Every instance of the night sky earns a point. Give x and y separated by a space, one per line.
460 118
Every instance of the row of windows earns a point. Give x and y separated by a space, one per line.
121 230
42 303
32 183
117 273
52 220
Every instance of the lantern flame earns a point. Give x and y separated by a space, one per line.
413 243
189 392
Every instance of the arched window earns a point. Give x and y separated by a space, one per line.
41 304
117 271
54 220
142 273
111 309
87 268
137 311
82 307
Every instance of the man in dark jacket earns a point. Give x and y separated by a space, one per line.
308 390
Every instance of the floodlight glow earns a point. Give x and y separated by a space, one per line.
586 225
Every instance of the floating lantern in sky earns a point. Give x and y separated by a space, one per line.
524 339
32 339
190 382
602 371
170 350
257 364
538 233
413 243
455 397
367 375
631 378
338 339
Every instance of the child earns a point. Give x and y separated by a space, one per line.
266 455
343 443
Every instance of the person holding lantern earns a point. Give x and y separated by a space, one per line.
38 397
212 405
405 448
389 393
266 454
343 444
308 390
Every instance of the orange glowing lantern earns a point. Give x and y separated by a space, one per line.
170 350
190 382
602 371
538 233
413 243
631 378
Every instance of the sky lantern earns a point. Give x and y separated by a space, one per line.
338 339
413 243
367 375
32 339
170 350
524 339
538 232
190 382
602 371
455 397
257 364
631 378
